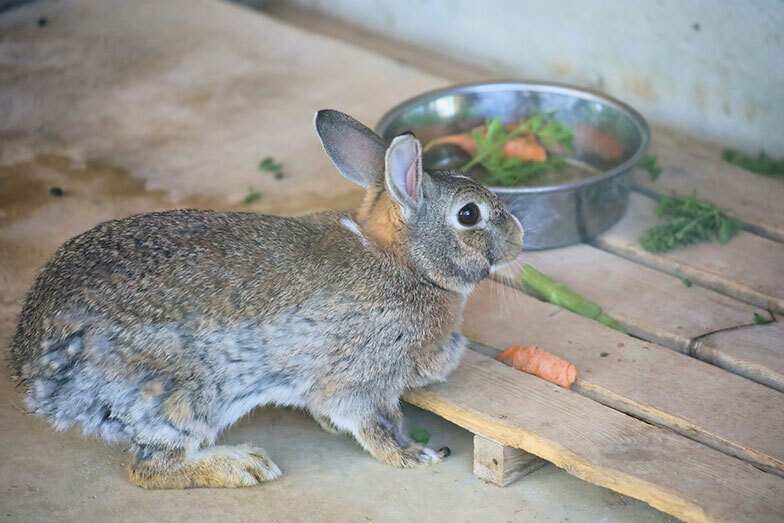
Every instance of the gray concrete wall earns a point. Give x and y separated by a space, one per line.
712 67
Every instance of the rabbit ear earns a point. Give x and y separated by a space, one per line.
403 174
356 151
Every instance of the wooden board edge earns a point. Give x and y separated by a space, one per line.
678 425
679 269
658 497
704 351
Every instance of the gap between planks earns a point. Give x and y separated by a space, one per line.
690 164
670 314
703 402
748 267
729 349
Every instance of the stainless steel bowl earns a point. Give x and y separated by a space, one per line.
610 139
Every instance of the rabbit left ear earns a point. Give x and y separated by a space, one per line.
356 151
403 173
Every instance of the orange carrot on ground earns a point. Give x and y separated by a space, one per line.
537 361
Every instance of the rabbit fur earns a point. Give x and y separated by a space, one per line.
164 328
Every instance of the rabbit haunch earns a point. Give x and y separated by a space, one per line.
162 329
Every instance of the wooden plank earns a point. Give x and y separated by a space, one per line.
756 352
691 164
500 464
601 445
747 268
670 313
700 401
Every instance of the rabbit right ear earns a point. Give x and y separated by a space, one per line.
356 151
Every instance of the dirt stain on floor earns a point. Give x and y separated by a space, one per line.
27 186
46 179
34 221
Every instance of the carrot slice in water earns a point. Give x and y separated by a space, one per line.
537 361
464 140
525 147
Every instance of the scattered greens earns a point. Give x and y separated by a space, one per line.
420 436
762 164
650 164
252 196
686 282
561 295
689 221
509 172
759 319
270 165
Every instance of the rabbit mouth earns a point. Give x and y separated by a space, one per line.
502 265
510 255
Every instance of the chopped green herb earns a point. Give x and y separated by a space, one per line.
649 164
420 436
762 164
509 172
252 196
759 319
270 165
686 282
689 221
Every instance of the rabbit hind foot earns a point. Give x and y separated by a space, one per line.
218 466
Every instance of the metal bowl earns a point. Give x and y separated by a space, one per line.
610 139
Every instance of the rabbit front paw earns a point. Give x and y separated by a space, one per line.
416 455
383 435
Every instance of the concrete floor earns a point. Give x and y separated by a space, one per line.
93 104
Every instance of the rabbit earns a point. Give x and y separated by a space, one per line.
162 329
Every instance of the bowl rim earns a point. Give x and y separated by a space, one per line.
541 86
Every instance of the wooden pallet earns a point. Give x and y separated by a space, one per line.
604 446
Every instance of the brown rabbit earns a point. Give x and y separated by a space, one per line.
165 328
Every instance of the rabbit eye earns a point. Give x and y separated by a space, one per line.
468 214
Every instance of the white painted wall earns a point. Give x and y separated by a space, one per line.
711 67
